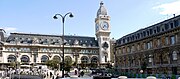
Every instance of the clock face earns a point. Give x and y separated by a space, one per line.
97 27
105 25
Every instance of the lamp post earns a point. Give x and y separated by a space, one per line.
63 20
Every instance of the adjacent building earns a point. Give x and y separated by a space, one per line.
154 49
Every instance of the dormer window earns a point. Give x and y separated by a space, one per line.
166 26
154 30
144 33
171 25
158 29
176 23
150 31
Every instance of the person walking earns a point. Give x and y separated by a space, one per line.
82 73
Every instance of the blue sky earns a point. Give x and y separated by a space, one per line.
127 16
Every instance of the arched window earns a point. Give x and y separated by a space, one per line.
44 58
94 60
57 58
68 60
84 59
174 55
11 58
24 58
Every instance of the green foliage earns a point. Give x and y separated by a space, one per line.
143 76
53 63
139 75
159 76
173 76
134 76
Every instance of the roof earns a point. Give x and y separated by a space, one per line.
102 10
51 39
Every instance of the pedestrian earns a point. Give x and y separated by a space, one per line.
57 76
47 74
82 73
53 77
51 74
75 72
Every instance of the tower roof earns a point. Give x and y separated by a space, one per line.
102 10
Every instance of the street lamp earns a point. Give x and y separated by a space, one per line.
63 19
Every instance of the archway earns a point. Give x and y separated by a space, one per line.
84 59
56 57
44 58
11 58
68 60
94 62
25 58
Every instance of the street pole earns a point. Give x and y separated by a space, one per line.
63 20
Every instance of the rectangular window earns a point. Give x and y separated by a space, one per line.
158 29
166 26
144 45
128 49
138 47
176 23
172 41
124 50
150 31
119 51
167 40
148 45
132 49
150 58
158 42
171 25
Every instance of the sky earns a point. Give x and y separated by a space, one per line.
127 16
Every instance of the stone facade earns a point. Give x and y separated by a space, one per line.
154 49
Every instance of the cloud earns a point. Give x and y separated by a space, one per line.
169 8
9 29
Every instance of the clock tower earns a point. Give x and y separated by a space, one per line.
102 31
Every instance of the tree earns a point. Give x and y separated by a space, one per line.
53 63
67 63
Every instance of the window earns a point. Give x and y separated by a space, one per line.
150 58
119 51
176 23
172 41
171 25
166 26
167 40
124 50
162 28
144 45
147 33
158 42
158 29
138 35
148 45
144 33
150 31
138 47
174 55
105 58
155 31
132 49
128 49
